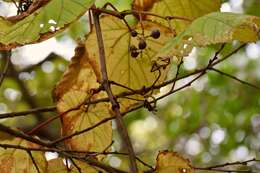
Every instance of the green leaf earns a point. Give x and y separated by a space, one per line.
210 29
183 8
42 24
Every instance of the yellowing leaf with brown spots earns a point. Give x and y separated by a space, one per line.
171 162
13 160
189 9
122 68
71 93
58 166
83 117
213 28
79 76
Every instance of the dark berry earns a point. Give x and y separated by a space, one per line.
133 33
134 54
132 48
142 44
155 33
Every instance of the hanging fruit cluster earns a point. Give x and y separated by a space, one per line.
134 51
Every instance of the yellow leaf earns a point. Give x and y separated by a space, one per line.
183 8
58 166
15 160
122 68
74 89
143 5
78 76
84 117
171 162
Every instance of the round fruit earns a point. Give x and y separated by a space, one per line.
132 48
134 54
142 44
134 33
155 33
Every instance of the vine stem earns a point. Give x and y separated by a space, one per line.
115 106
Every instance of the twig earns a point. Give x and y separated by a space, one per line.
229 164
235 78
7 57
123 94
68 154
115 106
30 111
22 135
177 73
76 166
122 14
33 160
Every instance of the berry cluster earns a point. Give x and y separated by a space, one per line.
155 33
24 5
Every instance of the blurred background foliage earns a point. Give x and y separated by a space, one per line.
215 120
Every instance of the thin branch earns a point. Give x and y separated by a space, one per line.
7 57
123 94
22 135
122 14
76 166
33 160
30 111
68 154
229 164
177 73
115 106
235 78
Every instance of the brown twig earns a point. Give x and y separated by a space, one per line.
7 57
22 135
30 111
115 106
34 162
215 167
